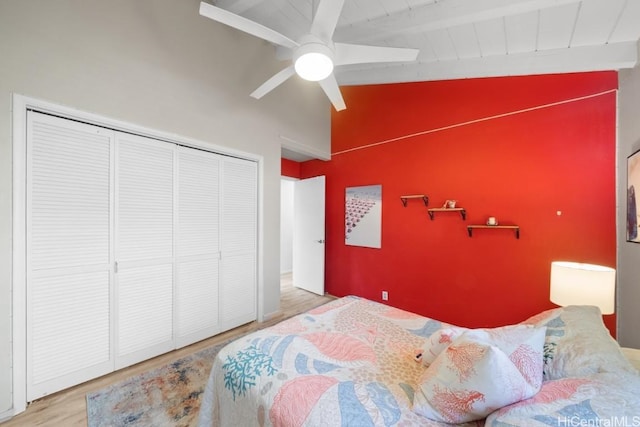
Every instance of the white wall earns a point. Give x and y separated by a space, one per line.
286 225
628 253
157 64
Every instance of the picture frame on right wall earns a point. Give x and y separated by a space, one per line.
633 186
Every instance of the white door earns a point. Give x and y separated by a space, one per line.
197 246
144 226
69 241
308 234
133 246
238 242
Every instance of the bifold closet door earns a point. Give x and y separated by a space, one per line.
69 263
144 224
198 252
238 242
135 246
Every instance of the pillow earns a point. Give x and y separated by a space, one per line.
577 343
481 371
440 340
437 342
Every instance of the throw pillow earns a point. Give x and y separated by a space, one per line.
440 340
578 344
481 371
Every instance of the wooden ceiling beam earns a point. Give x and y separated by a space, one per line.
436 16
613 56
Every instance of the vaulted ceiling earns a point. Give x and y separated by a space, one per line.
466 38
469 38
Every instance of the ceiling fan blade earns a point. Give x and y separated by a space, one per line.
326 18
361 54
331 88
273 82
243 24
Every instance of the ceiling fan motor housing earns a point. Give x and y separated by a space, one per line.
313 59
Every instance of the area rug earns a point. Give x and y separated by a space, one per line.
168 396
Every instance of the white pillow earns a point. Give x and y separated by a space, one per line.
440 340
578 344
481 371
437 342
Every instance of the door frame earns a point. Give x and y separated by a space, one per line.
291 180
20 104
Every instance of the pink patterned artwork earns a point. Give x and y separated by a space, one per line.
363 216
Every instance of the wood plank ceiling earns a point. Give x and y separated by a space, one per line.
469 38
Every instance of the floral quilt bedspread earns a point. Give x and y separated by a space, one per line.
351 363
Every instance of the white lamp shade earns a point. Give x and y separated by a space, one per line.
574 283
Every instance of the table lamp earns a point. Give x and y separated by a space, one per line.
575 283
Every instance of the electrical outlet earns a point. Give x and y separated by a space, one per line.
385 295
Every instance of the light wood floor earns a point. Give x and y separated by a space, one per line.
68 407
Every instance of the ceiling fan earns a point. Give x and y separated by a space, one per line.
314 54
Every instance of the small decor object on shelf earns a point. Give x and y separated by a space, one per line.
492 221
450 204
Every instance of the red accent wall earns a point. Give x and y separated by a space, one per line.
289 168
517 148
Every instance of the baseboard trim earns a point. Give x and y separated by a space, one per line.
6 415
271 316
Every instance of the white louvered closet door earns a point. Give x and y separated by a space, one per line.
238 287
68 253
197 246
144 248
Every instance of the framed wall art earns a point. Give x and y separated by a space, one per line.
633 186
363 216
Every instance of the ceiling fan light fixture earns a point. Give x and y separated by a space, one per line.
314 66
313 61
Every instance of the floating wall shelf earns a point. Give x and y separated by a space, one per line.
432 211
515 228
424 198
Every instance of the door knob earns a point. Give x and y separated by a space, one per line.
320 241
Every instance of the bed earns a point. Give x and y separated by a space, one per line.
355 362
